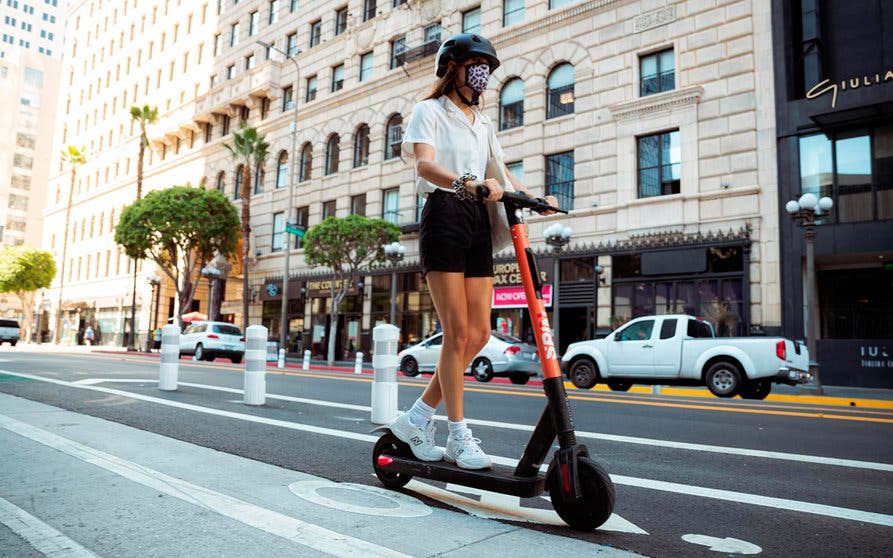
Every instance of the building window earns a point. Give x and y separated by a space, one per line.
398 47
361 146
560 178
809 28
293 6
559 3
249 61
315 31
234 34
259 179
432 33
231 71
254 19
366 62
264 108
512 12
221 182
306 162
560 96
358 205
218 44
517 170
237 190
291 44
329 209
369 9
311 89
209 134
288 98
390 211
340 20
855 168
302 220
277 243
282 169
338 78
393 136
471 21
225 126
274 12
333 154
658 72
511 104
660 159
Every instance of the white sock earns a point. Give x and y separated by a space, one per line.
459 429
421 413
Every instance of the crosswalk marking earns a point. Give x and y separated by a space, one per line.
44 538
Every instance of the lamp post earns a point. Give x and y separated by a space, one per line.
155 281
283 318
395 253
557 236
599 281
805 212
211 273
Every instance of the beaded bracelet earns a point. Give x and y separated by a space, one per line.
461 191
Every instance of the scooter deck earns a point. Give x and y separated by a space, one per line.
499 478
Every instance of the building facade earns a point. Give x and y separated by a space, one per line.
834 93
30 59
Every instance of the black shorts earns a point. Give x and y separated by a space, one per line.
454 235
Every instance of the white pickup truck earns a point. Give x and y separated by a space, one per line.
682 350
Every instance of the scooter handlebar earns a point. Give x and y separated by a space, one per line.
520 199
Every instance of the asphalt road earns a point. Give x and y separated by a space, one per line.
694 476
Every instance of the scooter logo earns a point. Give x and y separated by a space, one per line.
546 335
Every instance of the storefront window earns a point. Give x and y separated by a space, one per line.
578 270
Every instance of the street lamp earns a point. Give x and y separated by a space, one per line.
557 236
211 273
395 253
805 212
283 318
155 281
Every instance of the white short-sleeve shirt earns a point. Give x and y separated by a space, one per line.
459 145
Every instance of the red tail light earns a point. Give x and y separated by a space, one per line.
511 350
213 336
780 351
242 339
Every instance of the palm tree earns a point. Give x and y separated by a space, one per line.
75 157
144 115
249 149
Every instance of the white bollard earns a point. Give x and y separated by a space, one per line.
655 390
170 358
384 381
306 365
358 365
281 362
255 365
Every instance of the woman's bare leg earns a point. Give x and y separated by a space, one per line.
479 300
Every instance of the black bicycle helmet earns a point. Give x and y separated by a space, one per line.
461 47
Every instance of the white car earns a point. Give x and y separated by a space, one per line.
677 349
9 331
503 355
209 340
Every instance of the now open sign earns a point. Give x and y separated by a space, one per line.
514 297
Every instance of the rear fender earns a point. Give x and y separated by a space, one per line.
726 351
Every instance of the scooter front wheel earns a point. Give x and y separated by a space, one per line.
389 444
597 503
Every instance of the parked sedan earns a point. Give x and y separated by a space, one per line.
503 355
209 340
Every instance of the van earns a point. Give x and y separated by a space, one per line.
9 331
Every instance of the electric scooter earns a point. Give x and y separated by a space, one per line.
580 489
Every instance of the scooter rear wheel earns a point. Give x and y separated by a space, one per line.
597 503
391 445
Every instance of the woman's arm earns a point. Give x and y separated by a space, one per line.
551 200
436 174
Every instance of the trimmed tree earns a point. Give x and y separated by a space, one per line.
249 149
180 228
24 270
345 245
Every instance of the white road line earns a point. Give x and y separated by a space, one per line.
306 534
781 503
39 535
814 459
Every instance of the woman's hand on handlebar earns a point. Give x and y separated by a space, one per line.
490 189
550 200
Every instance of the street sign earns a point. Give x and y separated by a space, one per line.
295 229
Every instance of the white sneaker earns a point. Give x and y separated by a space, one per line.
466 453
420 441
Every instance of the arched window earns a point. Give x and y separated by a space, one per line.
333 153
306 161
560 97
237 194
511 104
361 146
282 170
221 181
258 179
393 136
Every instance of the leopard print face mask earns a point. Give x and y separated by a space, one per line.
477 76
